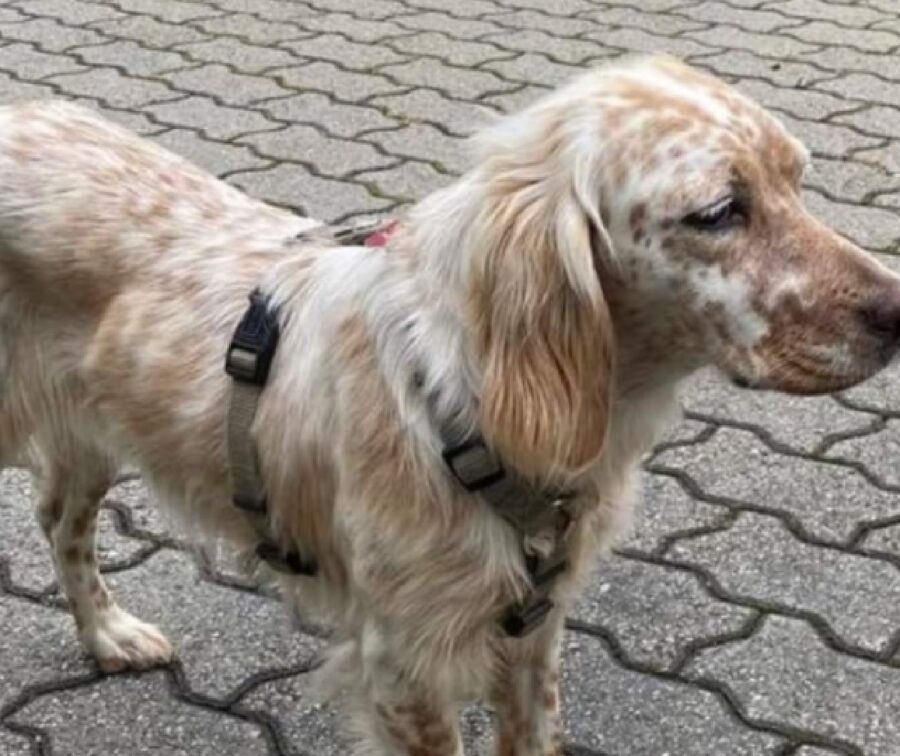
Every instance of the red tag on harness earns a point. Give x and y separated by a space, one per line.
380 237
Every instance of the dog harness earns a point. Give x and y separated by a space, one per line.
541 517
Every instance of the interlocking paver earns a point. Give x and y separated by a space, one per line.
221 82
335 157
682 644
322 76
28 63
759 559
804 426
460 118
868 226
214 120
826 500
785 674
242 56
110 86
292 186
667 510
455 51
621 711
92 721
135 59
654 612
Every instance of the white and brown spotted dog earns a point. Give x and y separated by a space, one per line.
639 223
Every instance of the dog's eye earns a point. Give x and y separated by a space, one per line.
719 216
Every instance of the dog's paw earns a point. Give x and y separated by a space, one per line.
119 642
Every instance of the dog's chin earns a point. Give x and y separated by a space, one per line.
800 383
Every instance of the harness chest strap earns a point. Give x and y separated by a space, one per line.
532 512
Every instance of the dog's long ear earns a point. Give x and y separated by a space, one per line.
543 324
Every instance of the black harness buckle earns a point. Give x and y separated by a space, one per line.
473 465
250 353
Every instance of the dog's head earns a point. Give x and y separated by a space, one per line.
644 221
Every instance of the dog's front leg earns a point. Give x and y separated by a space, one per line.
399 716
525 693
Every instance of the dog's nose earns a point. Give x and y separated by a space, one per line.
882 317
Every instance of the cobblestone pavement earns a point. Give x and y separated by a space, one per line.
756 607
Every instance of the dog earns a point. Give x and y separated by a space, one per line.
635 225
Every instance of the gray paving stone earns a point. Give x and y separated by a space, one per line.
743 64
291 186
731 37
635 16
619 711
28 63
827 500
251 29
110 86
886 158
828 139
461 118
28 555
213 120
847 14
336 157
457 82
843 60
134 58
358 29
138 715
231 88
570 7
666 509
756 20
337 118
243 56
827 32
424 142
864 88
460 8
14 745
463 28
409 182
883 540
759 559
801 103
371 9
654 612
515 101
455 51
38 645
814 751
272 10
348 86
221 636
535 41
354 55
851 181
309 723
870 227
146 515
785 674
137 122
803 424
71 12
12 90
51 35
879 121
535 68
878 452
216 157
149 31
174 11
560 26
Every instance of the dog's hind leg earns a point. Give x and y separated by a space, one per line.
72 485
